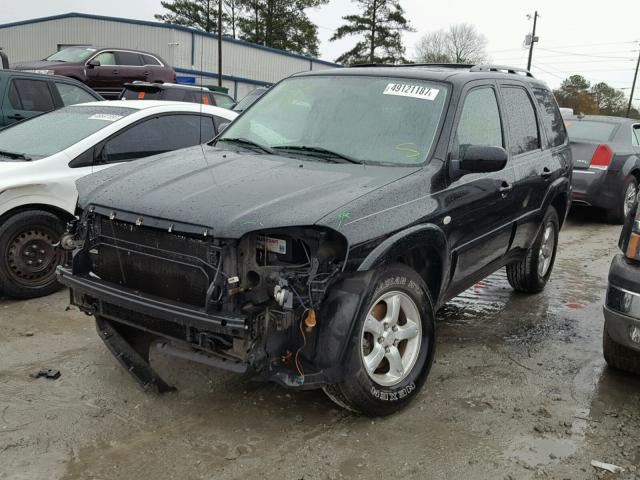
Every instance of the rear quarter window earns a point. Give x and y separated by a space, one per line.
551 117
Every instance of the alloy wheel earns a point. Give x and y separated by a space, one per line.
391 338
629 198
547 248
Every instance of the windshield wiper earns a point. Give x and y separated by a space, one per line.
250 143
14 155
319 151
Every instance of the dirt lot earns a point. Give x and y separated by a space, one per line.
519 389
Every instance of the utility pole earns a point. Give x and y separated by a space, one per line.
219 43
533 39
633 87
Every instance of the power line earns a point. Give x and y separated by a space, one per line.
579 54
569 46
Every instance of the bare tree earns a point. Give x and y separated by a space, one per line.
433 48
462 43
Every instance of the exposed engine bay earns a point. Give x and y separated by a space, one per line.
262 292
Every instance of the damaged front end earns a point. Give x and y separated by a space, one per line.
257 303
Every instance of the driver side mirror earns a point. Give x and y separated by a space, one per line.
93 63
483 159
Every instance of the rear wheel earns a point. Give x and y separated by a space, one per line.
28 257
530 275
618 356
392 353
618 214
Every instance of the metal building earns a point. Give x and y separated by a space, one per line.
191 52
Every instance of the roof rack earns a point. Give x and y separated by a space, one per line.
445 65
501 68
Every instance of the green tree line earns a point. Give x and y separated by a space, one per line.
577 93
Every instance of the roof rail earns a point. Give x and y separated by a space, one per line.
501 68
445 65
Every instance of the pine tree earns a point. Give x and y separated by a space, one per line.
380 24
280 24
201 14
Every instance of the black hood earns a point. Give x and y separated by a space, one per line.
230 192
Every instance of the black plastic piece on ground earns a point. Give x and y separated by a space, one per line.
50 373
131 348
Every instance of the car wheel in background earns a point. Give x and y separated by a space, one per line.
393 348
618 214
530 275
618 356
28 257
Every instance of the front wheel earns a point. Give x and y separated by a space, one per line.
29 254
392 351
530 275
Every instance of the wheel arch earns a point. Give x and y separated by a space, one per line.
559 197
424 248
61 213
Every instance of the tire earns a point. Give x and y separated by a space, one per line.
618 214
26 237
380 389
530 275
618 356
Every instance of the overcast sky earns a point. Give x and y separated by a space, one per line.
592 38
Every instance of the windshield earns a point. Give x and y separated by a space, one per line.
369 119
55 131
591 131
249 98
72 55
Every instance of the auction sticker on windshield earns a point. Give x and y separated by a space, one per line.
105 116
407 90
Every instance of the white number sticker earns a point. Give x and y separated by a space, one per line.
105 116
415 91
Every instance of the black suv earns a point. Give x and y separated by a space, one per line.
313 240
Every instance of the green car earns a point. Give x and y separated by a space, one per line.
24 95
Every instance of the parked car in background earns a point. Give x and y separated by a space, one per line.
175 92
41 158
606 162
621 336
105 70
249 99
4 60
314 241
24 95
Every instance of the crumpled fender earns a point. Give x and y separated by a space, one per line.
336 319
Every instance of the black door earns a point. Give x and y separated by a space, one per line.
480 204
526 157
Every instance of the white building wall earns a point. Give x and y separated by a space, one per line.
182 49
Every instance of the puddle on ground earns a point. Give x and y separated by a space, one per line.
537 451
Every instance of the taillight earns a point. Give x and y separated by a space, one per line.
602 157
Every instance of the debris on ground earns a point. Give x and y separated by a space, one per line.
607 466
50 373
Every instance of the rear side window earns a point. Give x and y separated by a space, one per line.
479 121
635 135
147 94
523 127
158 135
551 117
149 60
180 95
30 95
128 58
72 94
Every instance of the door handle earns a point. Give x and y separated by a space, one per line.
546 173
146 74
505 188
115 71
17 116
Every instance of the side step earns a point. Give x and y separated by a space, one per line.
131 348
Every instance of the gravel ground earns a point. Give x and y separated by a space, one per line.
518 390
